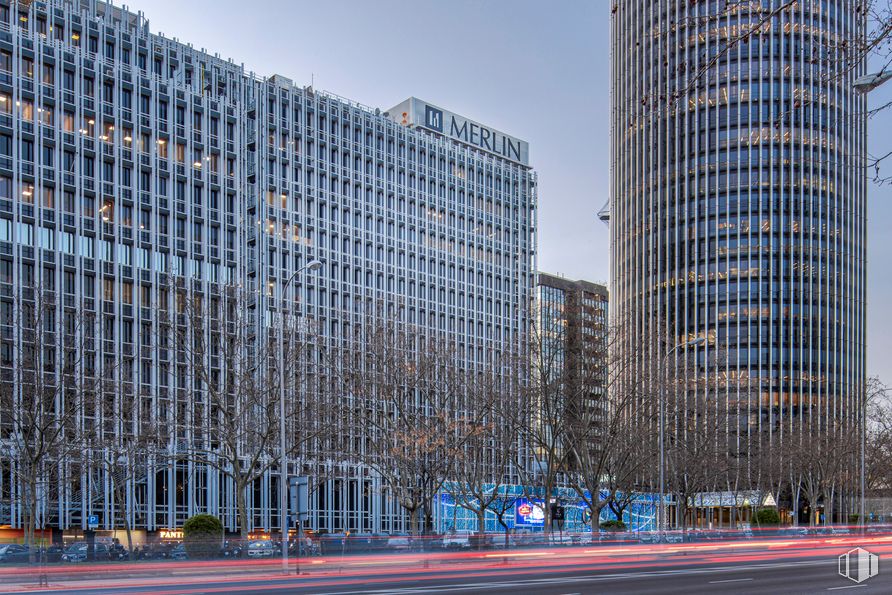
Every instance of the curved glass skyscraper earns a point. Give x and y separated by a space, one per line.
738 202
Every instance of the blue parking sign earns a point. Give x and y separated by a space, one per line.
93 521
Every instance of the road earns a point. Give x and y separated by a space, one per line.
771 566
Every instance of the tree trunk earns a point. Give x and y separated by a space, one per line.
122 499
501 519
31 520
546 504
413 520
128 530
242 512
481 520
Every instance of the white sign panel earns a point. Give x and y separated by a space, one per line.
415 112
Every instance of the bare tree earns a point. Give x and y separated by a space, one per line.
240 363
482 470
609 437
126 443
878 442
818 454
550 398
696 447
406 399
48 373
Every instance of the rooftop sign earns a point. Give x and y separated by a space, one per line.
415 112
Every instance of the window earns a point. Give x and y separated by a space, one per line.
26 234
66 239
27 150
161 262
47 238
86 247
125 255
6 271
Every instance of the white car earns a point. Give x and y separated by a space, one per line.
456 541
260 549
399 541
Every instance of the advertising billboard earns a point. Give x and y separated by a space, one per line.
529 513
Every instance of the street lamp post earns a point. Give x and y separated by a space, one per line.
661 510
313 265
864 85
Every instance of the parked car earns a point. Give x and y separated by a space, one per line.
528 539
656 537
457 541
648 537
14 553
378 541
53 553
399 541
77 552
612 537
794 532
178 552
261 549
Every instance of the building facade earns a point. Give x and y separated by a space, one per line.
128 160
738 206
572 317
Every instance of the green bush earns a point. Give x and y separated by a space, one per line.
613 525
854 518
202 536
767 516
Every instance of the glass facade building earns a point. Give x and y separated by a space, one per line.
738 203
127 158
571 319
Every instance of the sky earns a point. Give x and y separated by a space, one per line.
537 70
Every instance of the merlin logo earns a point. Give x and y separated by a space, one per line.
433 118
859 565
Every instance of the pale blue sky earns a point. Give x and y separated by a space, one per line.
537 70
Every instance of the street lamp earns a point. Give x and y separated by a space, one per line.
661 511
869 82
863 85
313 265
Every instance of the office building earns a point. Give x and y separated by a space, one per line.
738 208
572 318
128 159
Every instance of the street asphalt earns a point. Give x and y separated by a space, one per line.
809 575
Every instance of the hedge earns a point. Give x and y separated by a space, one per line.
202 536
